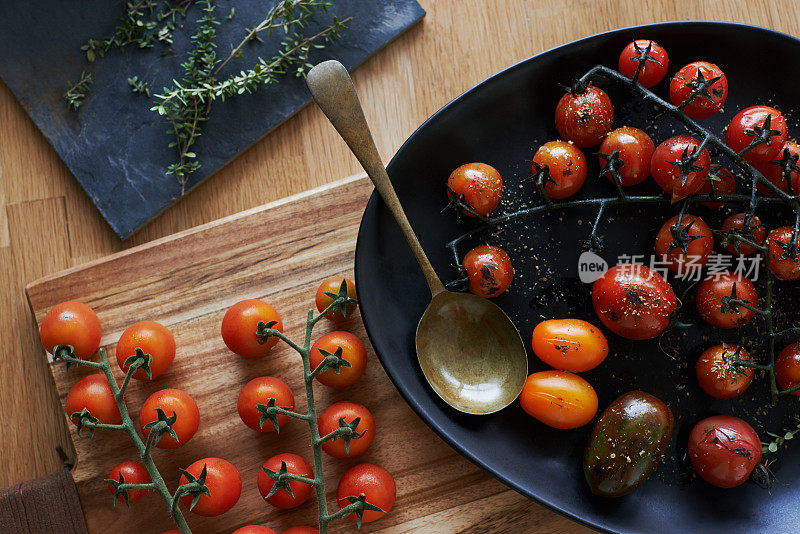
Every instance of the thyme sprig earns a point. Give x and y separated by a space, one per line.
77 91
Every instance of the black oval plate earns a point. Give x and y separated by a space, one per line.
501 122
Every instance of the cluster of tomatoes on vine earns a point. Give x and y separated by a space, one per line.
75 325
634 301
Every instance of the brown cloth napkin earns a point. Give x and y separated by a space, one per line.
42 506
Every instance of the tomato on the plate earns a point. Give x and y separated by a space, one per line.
327 292
633 301
480 184
352 350
787 367
655 66
773 171
569 344
784 258
755 233
718 375
93 393
584 117
559 399
724 450
132 473
374 482
153 339
697 76
724 183
300 530
295 465
255 529
259 391
669 176
686 246
635 149
566 167
744 128
224 485
71 323
489 270
719 286
240 324
172 402
346 412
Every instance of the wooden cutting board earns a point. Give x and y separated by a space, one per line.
278 252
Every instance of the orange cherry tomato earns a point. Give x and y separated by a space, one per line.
347 412
757 233
787 367
224 485
559 399
240 324
332 286
567 167
296 465
569 344
132 473
255 529
93 393
718 376
694 234
374 482
718 285
353 351
71 323
480 184
259 391
489 270
171 401
154 339
635 149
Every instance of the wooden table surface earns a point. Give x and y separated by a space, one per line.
47 223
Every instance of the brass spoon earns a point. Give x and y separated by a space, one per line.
469 350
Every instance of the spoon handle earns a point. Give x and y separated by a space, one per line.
333 90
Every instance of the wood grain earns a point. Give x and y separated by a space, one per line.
47 223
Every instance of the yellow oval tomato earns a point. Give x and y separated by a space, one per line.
559 399
569 344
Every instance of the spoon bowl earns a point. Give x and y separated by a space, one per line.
469 350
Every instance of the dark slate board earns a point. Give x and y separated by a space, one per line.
115 146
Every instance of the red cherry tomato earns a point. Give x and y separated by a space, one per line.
353 351
742 131
584 117
171 401
635 149
259 391
773 171
558 399
787 367
255 529
669 177
346 411
569 344
93 393
489 270
240 324
692 76
724 184
719 376
654 69
633 301
327 292
724 450
153 339
480 184
784 259
709 297
756 233
71 323
566 165
224 484
132 473
296 465
374 482
301 530
694 234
